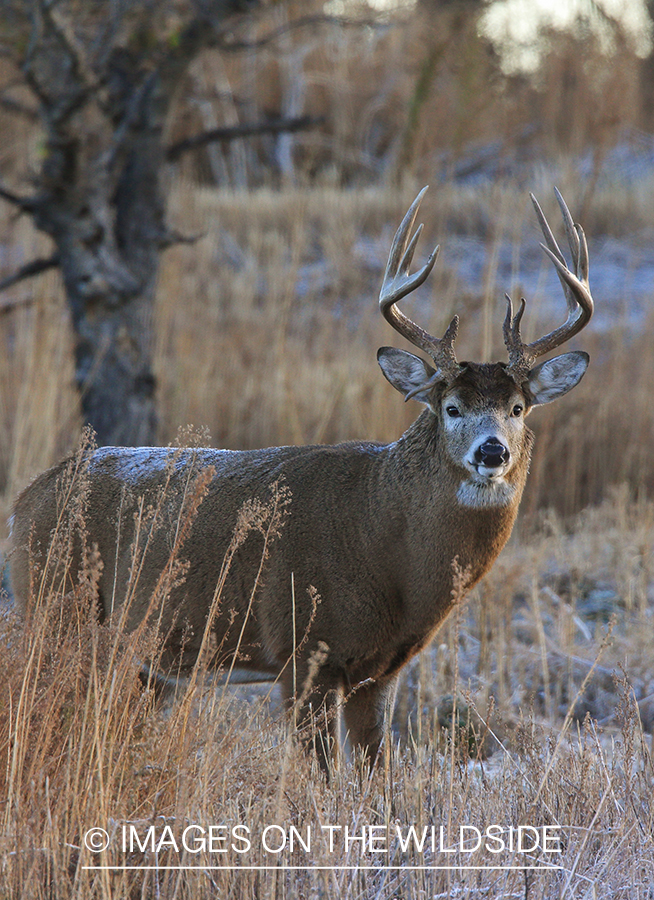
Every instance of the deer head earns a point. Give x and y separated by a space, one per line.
481 408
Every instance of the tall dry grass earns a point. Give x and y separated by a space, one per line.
524 712
286 287
534 706
410 92
268 327
517 723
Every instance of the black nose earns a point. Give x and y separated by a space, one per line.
492 454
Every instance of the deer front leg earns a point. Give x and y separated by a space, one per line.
314 702
365 711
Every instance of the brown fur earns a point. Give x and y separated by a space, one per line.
376 529
391 536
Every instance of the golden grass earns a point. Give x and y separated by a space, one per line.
274 339
560 746
267 329
266 333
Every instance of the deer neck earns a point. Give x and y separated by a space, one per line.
439 523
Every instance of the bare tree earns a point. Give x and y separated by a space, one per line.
102 77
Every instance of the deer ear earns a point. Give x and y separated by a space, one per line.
555 377
408 374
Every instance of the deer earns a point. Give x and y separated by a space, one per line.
379 531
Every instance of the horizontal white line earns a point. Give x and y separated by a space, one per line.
323 868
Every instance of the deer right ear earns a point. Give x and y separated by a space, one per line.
408 374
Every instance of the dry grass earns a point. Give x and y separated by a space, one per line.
267 330
534 706
544 737
412 93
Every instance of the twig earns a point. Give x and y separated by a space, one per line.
29 270
231 133
172 237
25 204
20 109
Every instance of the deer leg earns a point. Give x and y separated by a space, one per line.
314 702
365 711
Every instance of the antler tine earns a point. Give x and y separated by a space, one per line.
575 288
398 283
511 331
552 249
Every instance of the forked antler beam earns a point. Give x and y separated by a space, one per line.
398 283
575 287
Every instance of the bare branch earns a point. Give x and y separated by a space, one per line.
25 204
64 94
10 104
172 237
134 108
29 270
65 32
231 133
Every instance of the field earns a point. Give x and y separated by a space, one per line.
534 707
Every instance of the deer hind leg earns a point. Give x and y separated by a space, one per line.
314 700
365 713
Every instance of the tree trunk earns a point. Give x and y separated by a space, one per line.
104 76
100 201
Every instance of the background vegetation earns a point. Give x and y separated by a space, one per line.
265 333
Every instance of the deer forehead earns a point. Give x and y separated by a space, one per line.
484 388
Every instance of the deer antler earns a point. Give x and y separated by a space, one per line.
398 283
575 287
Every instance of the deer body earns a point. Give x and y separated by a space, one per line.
377 530
374 576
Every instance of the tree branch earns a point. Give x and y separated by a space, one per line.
232 133
25 204
172 237
15 106
132 111
64 31
28 271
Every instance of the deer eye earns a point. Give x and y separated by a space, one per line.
517 410
453 412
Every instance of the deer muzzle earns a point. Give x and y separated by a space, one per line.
491 458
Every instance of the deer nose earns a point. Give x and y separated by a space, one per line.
492 454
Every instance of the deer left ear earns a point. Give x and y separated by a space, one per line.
555 377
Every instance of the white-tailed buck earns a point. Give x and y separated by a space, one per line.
378 530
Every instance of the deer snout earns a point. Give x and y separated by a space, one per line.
491 454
